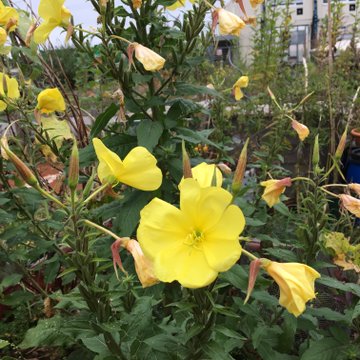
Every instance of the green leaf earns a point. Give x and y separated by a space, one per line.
236 276
3 343
329 314
183 88
103 119
162 342
97 345
336 284
325 349
282 209
215 351
11 279
129 213
148 133
254 222
356 312
229 333
51 269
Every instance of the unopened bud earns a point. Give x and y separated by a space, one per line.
136 4
186 162
255 266
69 32
341 146
30 34
22 169
224 168
74 168
271 94
240 169
316 152
103 3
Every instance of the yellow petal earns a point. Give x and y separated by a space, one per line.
302 130
140 170
229 23
9 17
204 206
3 36
109 162
221 245
43 31
238 93
3 105
184 264
50 100
242 82
50 9
176 5
13 88
204 173
57 130
162 225
150 59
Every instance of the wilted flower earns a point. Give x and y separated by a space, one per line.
138 169
196 242
350 204
136 4
9 17
229 23
54 14
296 283
255 3
50 100
150 59
204 174
3 36
242 82
9 88
355 187
301 129
273 190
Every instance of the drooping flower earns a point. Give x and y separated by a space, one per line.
255 3
296 283
350 204
11 90
54 14
242 82
9 17
50 100
150 59
273 190
204 175
143 266
196 242
301 129
138 169
3 36
229 23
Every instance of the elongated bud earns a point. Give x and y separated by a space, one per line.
240 168
306 98
22 169
74 168
316 152
5 84
271 94
186 162
255 266
30 34
341 146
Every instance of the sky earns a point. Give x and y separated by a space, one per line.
83 13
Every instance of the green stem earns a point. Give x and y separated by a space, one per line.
102 229
249 255
97 191
50 197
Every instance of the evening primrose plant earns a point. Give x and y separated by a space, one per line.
141 248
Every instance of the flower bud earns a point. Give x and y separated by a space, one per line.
30 34
341 146
22 169
186 162
316 152
240 169
224 168
74 168
271 94
255 266
136 4
301 129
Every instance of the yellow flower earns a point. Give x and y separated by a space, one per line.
138 169
54 14
350 204
50 100
255 3
178 4
11 91
355 187
273 190
301 129
296 283
136 4
242 82
3 37
204 173
196 242
229 23
9 17
150 59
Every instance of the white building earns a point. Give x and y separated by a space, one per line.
306 18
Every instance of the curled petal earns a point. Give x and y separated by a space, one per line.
301 129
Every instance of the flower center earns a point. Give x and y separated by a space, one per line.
194 238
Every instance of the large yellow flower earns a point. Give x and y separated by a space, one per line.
296 283
50 100
204 173
242 82
12 91
273 190
138 169
229 23
54 14
196 242
9 17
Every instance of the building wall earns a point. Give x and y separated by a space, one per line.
302 12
